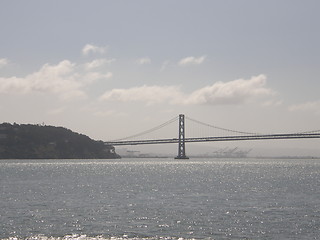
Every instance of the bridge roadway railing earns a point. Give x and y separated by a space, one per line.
217 139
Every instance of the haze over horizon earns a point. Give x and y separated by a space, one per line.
110 69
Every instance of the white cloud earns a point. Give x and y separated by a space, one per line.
308 106
97 63
64 79
93 76
89 48
143 61
59 79
191 61
52 78
148 94
3 62
234 92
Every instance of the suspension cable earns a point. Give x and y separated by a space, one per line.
314 131
220 128
150 130
198 122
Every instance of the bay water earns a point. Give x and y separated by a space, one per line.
160 198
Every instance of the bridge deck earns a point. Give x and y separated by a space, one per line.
217 139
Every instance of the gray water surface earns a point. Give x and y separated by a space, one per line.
160 198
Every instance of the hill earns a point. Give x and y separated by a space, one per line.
27 141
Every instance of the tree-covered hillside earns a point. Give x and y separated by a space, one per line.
26 141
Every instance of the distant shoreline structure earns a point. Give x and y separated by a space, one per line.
223 157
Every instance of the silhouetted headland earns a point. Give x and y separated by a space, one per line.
27 141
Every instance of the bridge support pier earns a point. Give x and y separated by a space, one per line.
181 147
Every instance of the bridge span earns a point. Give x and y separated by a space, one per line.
181 140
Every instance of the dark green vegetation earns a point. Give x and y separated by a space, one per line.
28 141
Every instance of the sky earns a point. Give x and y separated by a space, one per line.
110 69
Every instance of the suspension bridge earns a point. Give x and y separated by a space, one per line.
181 139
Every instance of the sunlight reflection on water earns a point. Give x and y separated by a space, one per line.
159 198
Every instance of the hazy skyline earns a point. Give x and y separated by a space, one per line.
109 69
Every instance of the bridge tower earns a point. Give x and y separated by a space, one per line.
181 147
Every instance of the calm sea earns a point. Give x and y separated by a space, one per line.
160 199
